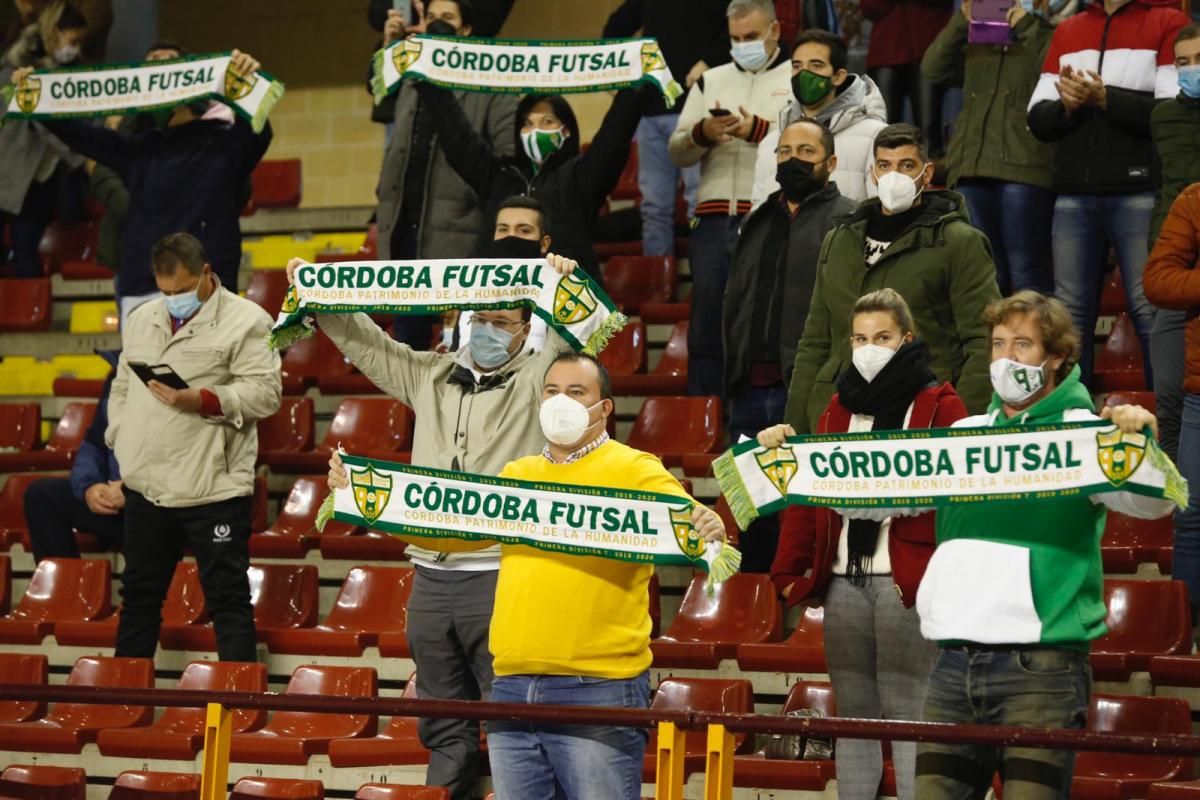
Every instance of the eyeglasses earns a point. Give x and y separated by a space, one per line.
477 321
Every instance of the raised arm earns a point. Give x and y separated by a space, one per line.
944 60
599 169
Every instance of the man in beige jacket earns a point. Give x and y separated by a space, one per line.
187 443
476 410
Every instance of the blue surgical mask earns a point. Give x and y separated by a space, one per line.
183 306
489 346
751 56
1189 81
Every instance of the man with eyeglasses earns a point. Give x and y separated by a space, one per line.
476 410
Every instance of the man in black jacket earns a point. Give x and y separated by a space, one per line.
771 280
188 177
547 165
693 36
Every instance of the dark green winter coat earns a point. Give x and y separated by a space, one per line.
1175 126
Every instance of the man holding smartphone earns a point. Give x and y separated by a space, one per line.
187 454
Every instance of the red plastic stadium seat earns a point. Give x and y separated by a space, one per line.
699 694
12 509
283 596
667 313
276 184
37 782
277 789
669 376
1100 776
1112 296
64 441
292 736
64 242
627 185
1134 398
78 387
762 773
25 304
1182 790
708 629
294 531
392 791
342 541
1128 542
179 733
801 652
291 429
670 427
397 745
378 427
20 426
633 280
136 785
626 353
1145 619
1175 670
184 605
372 600
85 271
61 589
26 669
1119 362
310 359
267 287
69 726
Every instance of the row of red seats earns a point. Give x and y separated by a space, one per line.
353 740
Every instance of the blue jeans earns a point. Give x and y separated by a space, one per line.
711 248
658 179
1186 566
567 762
1016 219
1085 226
1028 687
750 410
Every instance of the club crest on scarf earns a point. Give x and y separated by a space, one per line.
406 55
371 492
574 301
652 58
779 465
1120 454
238 86
685 533
29 93
291 301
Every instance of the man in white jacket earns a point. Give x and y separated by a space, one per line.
849 105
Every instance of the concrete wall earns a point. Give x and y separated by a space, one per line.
320 48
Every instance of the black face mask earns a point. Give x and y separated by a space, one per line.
797 179
439 27
514 247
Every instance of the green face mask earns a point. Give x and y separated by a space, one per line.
811 88
540 145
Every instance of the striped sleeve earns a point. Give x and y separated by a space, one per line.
1045 89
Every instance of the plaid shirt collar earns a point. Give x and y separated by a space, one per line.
578 454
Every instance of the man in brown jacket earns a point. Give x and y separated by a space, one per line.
1172 281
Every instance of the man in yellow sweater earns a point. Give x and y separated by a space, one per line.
575 630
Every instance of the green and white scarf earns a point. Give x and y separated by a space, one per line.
145 86
618 524
573 305
504 66
925 468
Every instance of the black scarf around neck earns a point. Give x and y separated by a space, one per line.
886 398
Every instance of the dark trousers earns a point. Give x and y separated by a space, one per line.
905 82
27 227
449 614
711 247
414 331
750 410
218 535
53 514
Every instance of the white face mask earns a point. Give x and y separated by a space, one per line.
897 191
1015 382
66 53
870 359
564 419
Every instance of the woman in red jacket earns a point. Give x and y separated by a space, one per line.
867 571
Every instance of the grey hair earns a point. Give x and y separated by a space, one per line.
739 8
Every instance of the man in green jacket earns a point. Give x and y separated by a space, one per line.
1175 127
1002 171
918 242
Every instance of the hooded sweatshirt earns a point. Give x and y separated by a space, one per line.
1025 572
855 117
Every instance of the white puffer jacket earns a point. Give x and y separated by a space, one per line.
855 117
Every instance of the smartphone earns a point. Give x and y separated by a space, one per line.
405 9
163 373
720 112
989 22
